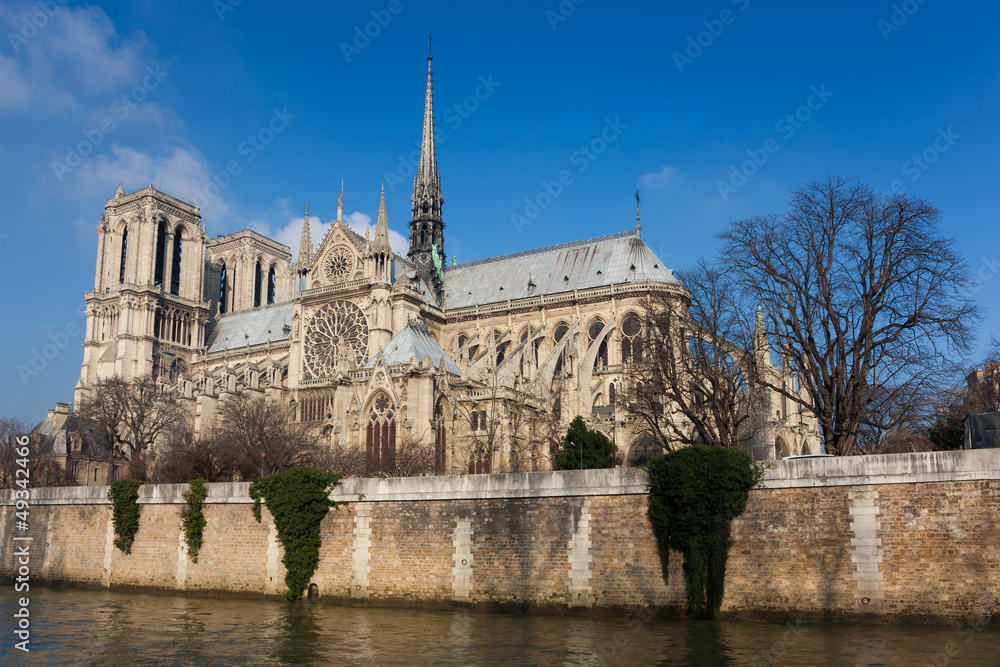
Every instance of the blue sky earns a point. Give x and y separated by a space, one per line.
674 100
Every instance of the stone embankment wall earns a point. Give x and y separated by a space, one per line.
907 538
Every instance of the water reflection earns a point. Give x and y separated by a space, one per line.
105 628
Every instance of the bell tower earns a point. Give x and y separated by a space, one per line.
147 313
427 224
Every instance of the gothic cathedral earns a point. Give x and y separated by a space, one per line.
486 362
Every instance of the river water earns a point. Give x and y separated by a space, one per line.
75 627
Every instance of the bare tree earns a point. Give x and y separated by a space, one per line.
863 298
481 402
125 417
209 457
692 381
508 416
411 459
344 460
251 424
11 429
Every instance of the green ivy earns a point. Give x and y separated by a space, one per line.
694 495
298 499
124 497
192 517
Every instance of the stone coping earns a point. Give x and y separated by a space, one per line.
921 467
956 466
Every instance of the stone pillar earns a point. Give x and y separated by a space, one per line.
866 548
99 270
362 555
462 570
263 284
168 261
580 590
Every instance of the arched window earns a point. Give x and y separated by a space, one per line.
423 234
612 393
316 406
596 327
440 445
258 277
643 449
271 286
781 449
121 271
479 460
530 352
161 242
631 341
380 450
501 347
561 330
175 277
463 340
223 290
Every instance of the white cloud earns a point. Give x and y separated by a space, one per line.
180 171
63 54
659 178
359 222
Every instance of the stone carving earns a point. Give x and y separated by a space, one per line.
339 264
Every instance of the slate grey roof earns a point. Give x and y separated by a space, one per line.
616 258
250 327
414 341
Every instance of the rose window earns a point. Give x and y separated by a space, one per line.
339 264
337 330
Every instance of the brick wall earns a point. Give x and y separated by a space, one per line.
911 538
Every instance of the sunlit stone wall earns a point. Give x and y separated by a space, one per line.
893 538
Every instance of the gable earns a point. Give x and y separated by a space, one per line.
339 258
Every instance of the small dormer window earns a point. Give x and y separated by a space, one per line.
632 268
565 279
599 274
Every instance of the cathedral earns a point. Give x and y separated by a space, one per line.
485 361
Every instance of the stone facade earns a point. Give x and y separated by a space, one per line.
577 540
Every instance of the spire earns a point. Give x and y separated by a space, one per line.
120 192
427 222
638 227
426 182
305 244
382 225
340 203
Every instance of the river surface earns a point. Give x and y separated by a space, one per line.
75 627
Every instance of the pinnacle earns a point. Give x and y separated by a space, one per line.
305 243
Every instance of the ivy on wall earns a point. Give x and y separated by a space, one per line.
298 499
192 517
694 495
124 497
